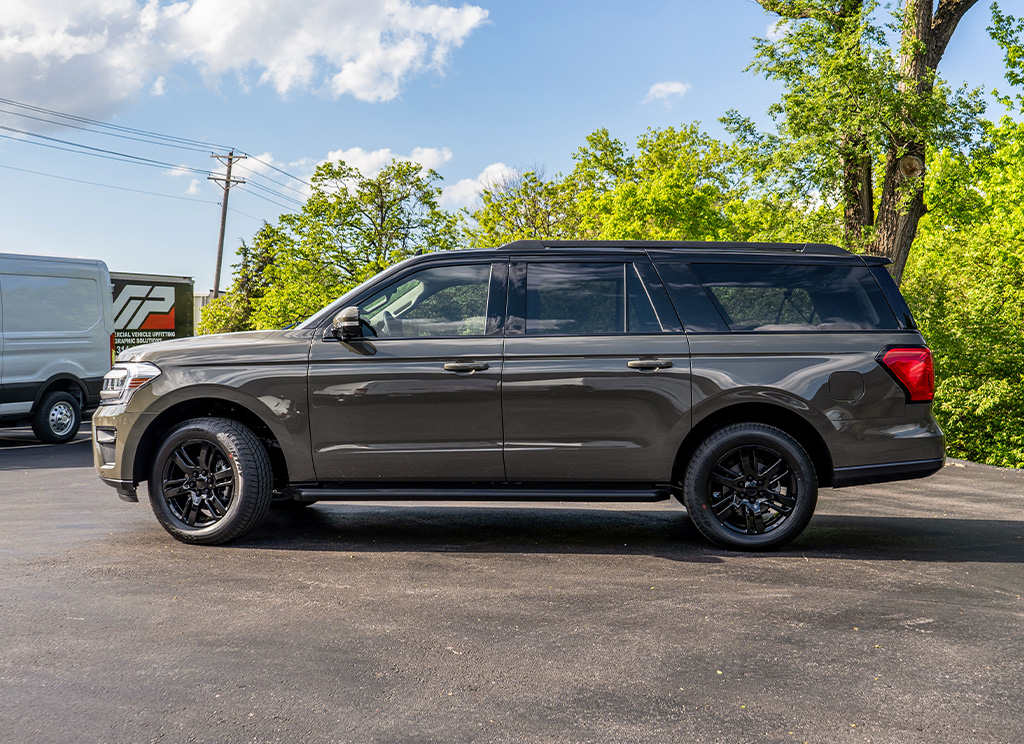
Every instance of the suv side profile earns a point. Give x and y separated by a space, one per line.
737 378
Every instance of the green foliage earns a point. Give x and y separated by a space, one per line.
233 310
525 206
965 282
350 228
852 106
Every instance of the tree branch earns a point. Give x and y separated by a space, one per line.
944 23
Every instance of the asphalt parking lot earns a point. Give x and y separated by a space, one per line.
896 617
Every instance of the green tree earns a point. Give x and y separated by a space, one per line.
350 228
233 309
965 282
855 111
525 206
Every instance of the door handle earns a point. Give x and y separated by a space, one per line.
644 364
465 366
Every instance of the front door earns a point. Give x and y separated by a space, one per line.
418 397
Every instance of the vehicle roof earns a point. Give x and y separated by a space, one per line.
730 248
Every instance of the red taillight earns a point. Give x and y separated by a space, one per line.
112 350
913 369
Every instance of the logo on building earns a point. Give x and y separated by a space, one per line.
144 307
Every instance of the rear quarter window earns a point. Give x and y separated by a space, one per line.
790 297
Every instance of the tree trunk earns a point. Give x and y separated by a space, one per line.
902 203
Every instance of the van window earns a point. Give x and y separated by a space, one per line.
49 303
788 297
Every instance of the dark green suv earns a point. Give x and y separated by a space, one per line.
737 378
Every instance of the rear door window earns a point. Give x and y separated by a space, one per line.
581 299
788 297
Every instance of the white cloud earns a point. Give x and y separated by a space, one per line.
193 186
89 56
370 162
777 29
666 91
466 192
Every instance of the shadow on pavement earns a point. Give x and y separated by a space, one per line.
664 534
20 450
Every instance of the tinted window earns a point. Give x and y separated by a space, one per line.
587 299
787 297
692 303
442 301
575 298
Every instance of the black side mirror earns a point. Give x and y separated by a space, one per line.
347 325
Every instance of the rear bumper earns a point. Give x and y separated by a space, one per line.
890 471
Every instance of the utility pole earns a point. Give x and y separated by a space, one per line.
226 183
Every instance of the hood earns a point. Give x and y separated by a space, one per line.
223 345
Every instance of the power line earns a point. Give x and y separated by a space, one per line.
108 134
111 186
100 152
115 127
285 207
285 197
273 167
272 180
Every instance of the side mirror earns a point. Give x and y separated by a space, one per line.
347 325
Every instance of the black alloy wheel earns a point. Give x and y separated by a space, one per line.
750 487
198 483
210 481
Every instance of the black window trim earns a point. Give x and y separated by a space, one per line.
498 265
515 317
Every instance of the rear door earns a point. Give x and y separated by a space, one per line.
596 383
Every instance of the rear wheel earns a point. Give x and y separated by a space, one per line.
750 487
57 419
210 482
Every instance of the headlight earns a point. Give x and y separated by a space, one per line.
121 382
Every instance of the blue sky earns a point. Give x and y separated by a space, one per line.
469 89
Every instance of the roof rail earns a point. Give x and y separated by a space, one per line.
534 245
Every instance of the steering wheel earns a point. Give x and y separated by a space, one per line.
391 326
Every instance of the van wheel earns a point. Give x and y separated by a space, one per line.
750 487
210 481
57 419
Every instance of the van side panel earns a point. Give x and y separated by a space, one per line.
55 325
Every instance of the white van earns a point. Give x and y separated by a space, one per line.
56 338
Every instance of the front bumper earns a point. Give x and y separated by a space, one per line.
115 439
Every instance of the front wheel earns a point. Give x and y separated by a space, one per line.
750 487
210 482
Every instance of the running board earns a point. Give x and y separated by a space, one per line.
490 493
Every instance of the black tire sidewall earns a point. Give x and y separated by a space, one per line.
249 463
41 418
717 446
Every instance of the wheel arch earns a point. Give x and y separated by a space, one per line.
63 382
205 407
778 416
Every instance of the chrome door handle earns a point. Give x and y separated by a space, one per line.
649 364
465 366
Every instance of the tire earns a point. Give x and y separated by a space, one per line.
750 487
210 482
57 419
